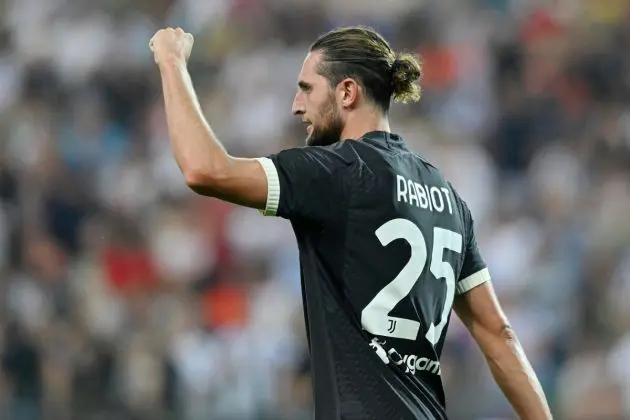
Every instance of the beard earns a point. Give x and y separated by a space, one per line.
328 131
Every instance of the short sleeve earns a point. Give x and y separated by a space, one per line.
474 269
304 183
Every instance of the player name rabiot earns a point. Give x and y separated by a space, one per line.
423 196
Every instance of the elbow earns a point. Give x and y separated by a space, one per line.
207 176
507 334
496 341
204 181
503 336
198 180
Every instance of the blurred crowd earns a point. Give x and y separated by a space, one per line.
123 295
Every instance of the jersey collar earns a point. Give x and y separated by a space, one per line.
384 139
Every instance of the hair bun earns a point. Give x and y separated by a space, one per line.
406 72
396 65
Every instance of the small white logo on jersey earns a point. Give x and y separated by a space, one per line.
411 362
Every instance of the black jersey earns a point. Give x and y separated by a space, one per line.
385 244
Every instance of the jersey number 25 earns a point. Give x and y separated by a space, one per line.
375 317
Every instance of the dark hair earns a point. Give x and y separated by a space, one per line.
364 55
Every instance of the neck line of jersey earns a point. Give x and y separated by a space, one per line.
383 138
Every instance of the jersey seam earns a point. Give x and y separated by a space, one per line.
347 193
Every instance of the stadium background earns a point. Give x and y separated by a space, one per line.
122 295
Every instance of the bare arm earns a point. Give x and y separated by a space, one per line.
206 166
480 311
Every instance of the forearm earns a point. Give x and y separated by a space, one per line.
206 166
197 150
515 376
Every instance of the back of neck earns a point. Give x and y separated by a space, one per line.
358 125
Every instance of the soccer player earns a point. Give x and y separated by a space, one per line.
387 247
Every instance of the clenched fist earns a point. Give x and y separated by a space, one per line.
171 44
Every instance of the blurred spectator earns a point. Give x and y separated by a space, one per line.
22 369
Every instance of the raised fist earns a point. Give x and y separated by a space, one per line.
171 44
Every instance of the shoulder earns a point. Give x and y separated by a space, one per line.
336 156
461 203
465 214
307 183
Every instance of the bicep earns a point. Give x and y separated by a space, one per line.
241 181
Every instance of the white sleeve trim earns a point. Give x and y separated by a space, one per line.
480 277
273 187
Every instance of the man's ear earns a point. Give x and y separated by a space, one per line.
348 92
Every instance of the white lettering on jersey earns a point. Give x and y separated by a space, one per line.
423 196
411 362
